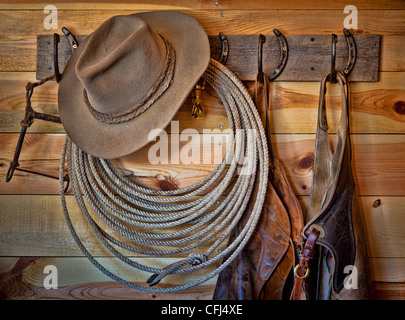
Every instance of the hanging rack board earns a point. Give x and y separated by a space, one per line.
309 56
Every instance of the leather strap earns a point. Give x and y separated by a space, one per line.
301 271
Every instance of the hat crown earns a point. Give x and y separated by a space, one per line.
109 100
121 63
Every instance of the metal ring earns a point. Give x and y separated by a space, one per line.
297 275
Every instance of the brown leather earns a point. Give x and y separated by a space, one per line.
332 210
278 176
262 269
246 276
303 268
277 285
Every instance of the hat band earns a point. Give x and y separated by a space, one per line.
161 85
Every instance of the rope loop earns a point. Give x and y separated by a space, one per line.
176 222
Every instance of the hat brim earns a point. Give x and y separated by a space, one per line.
111 141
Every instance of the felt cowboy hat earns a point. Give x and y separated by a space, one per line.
128 77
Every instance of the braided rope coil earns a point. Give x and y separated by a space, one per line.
141 218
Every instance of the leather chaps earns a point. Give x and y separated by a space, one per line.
334 262
264 268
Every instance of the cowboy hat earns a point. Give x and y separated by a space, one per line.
128 77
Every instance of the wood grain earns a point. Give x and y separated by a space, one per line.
22 279
21 28
376 113
375 159
377 163
205 5
387 269
308 56
382 217
44 99
39 221
79 280
375 107
389 291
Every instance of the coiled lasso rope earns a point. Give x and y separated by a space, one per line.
143 217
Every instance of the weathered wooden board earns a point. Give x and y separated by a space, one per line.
377 163
39 221
376 107
23 278
384 216
389 291
205 5
29 23
388 269
21 27
309 56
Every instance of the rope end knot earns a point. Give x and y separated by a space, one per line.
29 86
152 280
193 259
197 258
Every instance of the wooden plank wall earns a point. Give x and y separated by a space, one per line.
33 233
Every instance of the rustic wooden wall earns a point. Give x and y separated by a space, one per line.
33 233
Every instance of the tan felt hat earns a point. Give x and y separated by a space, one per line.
129 77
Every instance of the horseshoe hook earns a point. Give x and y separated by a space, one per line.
283 55
352 55
70 38
224 48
